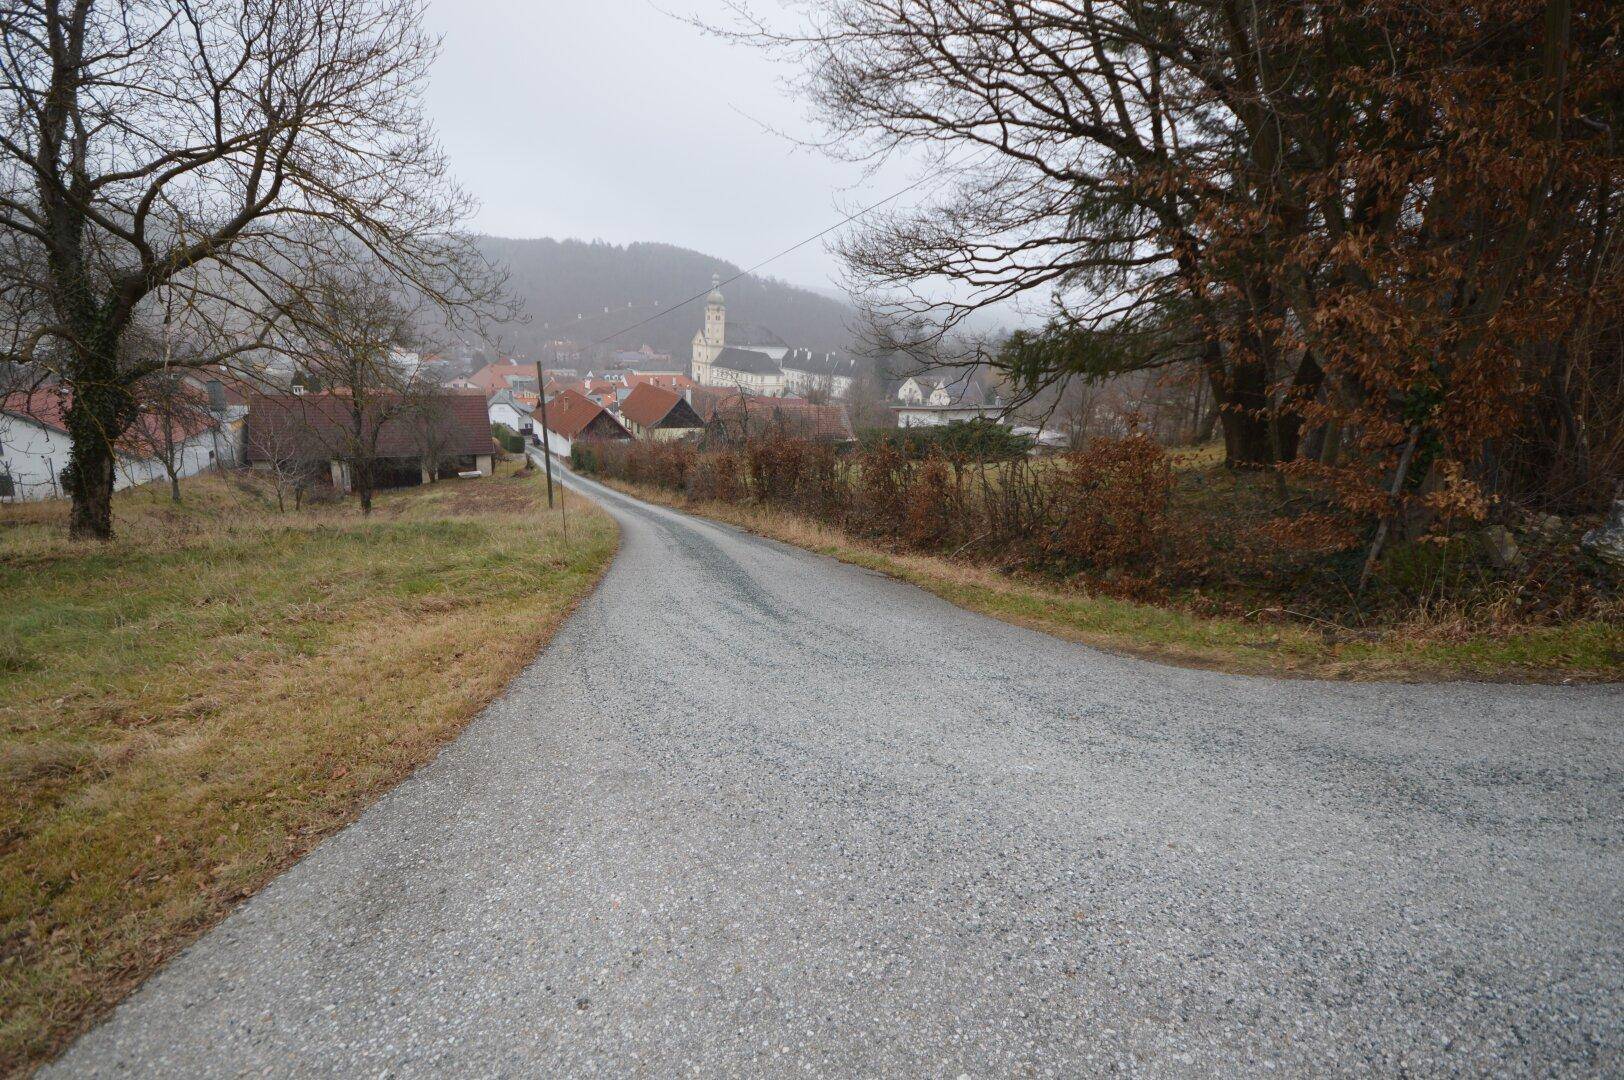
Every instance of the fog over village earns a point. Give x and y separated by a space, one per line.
811 537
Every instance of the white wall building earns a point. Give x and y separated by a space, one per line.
35 447
812 374
928 401
715 337
503 409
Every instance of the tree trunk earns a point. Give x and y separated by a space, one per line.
1331 444
101 410
174 488
1248 440
89 480
1312 444
1209 422
1241 402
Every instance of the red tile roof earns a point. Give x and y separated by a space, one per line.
494 377
49 406
668 382
647 405
571 412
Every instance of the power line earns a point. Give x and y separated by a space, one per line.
763 262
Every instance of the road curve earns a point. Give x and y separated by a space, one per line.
755 812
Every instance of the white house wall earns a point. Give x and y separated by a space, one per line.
797 381
35 455
193 456
504 413
932 417
558 444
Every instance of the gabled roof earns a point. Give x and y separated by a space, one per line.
963 389
570 413
46 407
707 399
746 362
316 426
494 377
650 406
668 380
510 399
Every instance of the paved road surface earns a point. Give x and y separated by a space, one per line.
758 813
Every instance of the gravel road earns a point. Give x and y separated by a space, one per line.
756 813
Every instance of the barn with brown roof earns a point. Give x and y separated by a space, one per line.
442 434
653 412
572 416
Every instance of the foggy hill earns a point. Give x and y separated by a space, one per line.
567 284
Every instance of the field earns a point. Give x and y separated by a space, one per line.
191 708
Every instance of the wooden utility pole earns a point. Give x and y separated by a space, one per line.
546 447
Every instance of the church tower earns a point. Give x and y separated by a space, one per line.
709 340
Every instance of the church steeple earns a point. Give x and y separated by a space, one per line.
713 335
715 315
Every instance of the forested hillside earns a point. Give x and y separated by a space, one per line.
566 285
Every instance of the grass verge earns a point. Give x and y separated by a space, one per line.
187 710
1424 650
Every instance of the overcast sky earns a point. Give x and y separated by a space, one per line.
610 119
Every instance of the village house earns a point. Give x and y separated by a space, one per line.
655 413
665 380
646 360
930 400
438 435
511 410
226 394
825 375
745 369
35 446
573 417
505 375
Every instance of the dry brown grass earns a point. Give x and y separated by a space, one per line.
1437 643
189 710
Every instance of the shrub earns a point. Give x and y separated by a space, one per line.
1111 502
507 438
878 495
978 440
931 515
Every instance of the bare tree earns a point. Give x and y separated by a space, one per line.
348 328
281 451
432 427
166 156
1076 153
172 414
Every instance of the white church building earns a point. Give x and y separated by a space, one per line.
754 359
